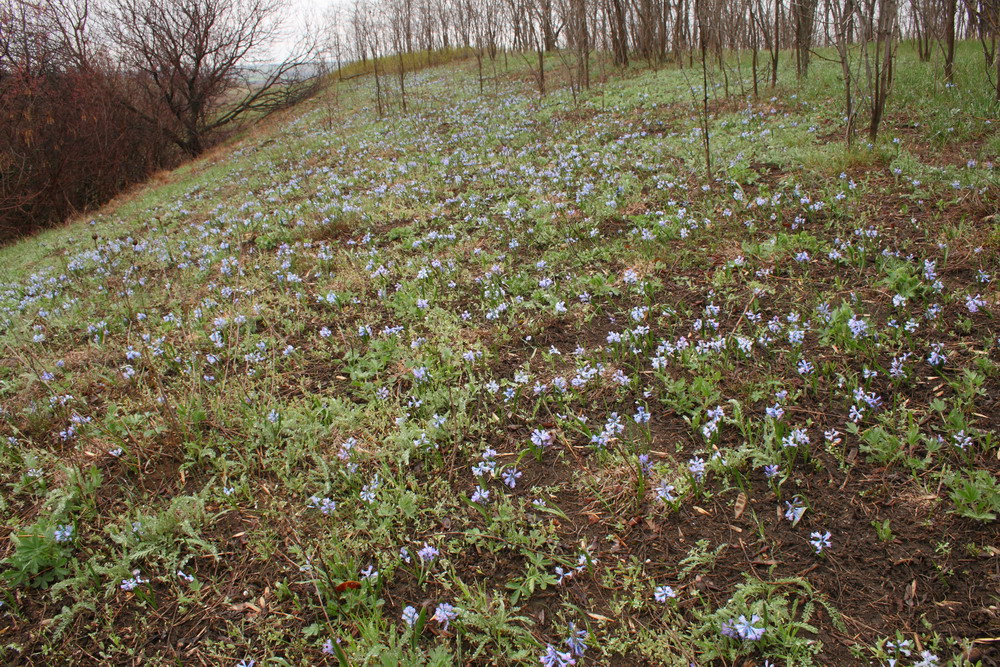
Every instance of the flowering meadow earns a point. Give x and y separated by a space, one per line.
509 379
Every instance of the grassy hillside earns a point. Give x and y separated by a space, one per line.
504 378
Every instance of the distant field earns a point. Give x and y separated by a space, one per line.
512 380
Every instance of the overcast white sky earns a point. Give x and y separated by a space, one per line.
299 14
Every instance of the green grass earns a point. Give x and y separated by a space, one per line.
240 402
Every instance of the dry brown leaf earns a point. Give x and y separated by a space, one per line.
598 617
740 506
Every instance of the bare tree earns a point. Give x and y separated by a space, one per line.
579 36
923 15
400 19
616 18
777 43
950 8
880 21
803 18
842 15
986 16
191 58
701 14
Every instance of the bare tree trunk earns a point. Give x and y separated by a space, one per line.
680 18
661 46
804 19
479 65
885 51
378 83
753 47
579 34
703 40
644 29
842 17
950 8
921 29
549 33
402 81
986 15
618 29
775 43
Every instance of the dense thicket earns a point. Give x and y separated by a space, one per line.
66 142
96 96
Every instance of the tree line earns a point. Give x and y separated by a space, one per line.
664 31
97 94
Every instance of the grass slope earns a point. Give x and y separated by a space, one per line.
503 377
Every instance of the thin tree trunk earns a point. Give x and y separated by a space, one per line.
950 7
378 84
704 92
775 43
402 81
753 47
541 69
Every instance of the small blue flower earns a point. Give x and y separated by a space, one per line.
697 467
665 492
541 438
553 657
445 614
663 593
63 533
641 416
746 628
428 553
324 505
576 640
510 477
134 582
794 510
820 541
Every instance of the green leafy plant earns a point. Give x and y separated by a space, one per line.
536 577
780 612
38 559
883 530
976 495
